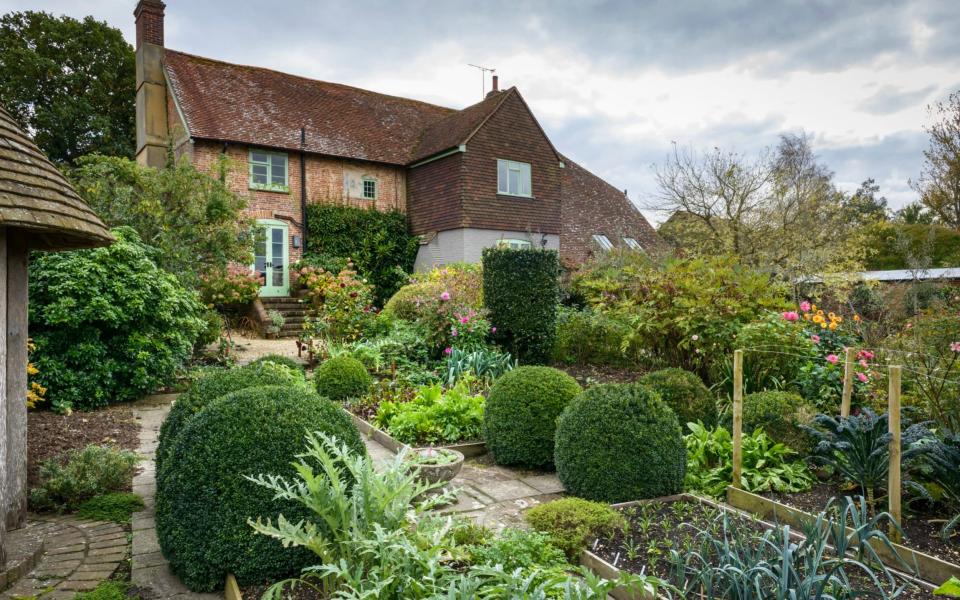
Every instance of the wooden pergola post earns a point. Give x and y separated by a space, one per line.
893 476
737 418
848 357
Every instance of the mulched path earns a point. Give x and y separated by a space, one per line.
591 374
920 527
50 434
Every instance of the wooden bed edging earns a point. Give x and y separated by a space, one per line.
929 568
231 591
468 450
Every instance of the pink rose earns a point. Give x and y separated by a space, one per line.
805 306
955 347
832 359
791 316
862 377
445 296
815 338
863 363
448 350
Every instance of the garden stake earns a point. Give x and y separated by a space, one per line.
849 357
737 416
893 479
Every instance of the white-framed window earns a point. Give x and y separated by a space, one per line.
268 171
514 244
603 241
513 178
369 188
632 244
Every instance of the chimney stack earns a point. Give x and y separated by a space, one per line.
152 129
149 16
496 83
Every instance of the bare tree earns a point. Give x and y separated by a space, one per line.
939 183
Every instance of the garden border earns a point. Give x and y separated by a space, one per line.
930 569
468 449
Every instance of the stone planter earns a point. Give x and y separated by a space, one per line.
441 473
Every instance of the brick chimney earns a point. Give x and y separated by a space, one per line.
496 83
152 129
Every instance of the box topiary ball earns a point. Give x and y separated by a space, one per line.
214 385
620 442
204 500
781 415
685 393
342 378
520 417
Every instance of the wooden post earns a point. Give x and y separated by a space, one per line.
16 331
893 478
737 417
849 357
4 400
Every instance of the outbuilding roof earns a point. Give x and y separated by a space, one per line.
34 195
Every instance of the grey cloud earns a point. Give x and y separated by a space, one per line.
890 99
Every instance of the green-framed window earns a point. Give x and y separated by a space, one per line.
269 171
369 188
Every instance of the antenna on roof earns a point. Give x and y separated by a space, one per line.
483 78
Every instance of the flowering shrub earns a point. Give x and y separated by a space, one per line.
232 288
342 303
35 391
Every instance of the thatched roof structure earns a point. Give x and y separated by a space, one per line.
35 196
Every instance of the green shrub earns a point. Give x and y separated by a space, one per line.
573 522
781 415
204 500
774 352
589 336
518 549
108 324
407 302
521 290
118 507
685 393
520 418
216 384
342 378
619 442
69 479
287 361
378 242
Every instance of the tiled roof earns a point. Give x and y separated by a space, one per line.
34 195
253 105
456 128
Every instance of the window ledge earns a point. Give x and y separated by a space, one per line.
263 187
516 196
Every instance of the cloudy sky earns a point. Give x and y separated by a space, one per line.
616 83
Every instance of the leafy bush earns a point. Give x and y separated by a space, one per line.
686 313
588 336
520 417
774 350
858 447
519 549
685 393
781 415
278 359
573 522
233 287
485 364
766 466
118 507
340 304
78 475
521 290
941 465
618 442
214 385
252 431
342 378
434 416
108 325
378 242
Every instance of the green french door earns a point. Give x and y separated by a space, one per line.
270 256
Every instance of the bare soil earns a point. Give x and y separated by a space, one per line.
591 374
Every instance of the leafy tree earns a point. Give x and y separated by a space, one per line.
191 218
70 83
939 183
914 213
866 205
896 245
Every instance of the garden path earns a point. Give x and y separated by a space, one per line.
247 349
149 570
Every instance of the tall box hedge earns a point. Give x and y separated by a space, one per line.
521 290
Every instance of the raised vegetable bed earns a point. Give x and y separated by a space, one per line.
467 449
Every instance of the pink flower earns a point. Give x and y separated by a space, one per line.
464 320
445 296
815 338
448 350
862 377
868 355
805 306
791 316
833 359
453 332
493 330
863 363
955 347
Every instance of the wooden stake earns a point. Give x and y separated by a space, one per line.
849 357
893 479
737 417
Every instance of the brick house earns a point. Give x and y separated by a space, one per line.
466 179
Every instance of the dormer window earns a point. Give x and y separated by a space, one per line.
632 244
513 178
268 171
603 241
369 188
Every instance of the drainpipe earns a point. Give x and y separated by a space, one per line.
303 191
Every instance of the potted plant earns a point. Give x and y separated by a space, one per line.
435 465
